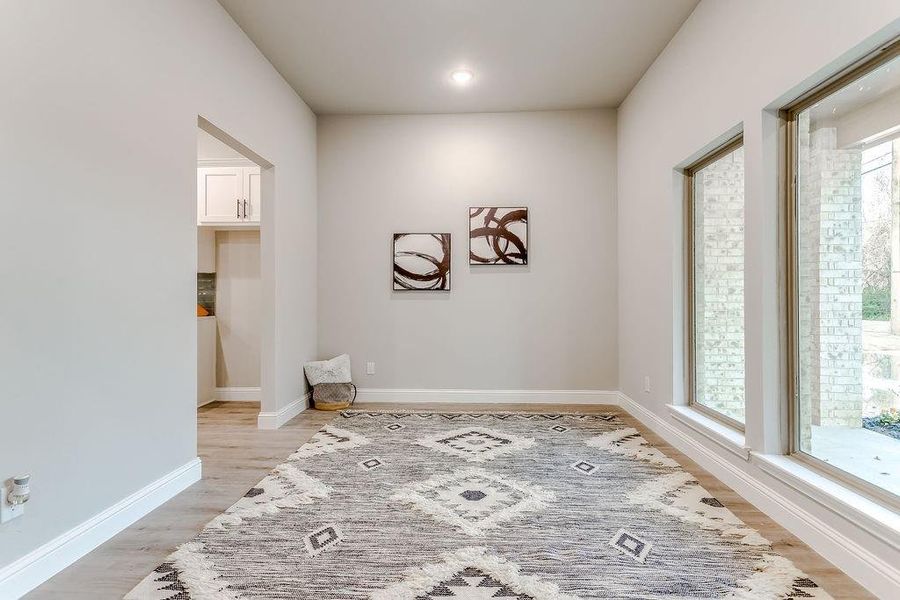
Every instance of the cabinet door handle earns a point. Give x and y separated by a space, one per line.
237 214
245 209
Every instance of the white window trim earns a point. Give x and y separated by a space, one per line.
724 148
841 500
714 430
789 115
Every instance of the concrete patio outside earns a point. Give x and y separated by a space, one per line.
871 456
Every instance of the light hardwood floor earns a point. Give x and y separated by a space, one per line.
236 455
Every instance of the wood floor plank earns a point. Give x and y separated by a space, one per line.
236 455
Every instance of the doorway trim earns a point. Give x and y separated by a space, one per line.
267 419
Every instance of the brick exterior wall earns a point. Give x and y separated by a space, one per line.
719 284
830 269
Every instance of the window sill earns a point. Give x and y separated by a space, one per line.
726 437
876 519
841 500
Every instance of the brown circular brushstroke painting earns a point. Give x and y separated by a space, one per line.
498 235
422 261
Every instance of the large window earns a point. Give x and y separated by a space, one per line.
844 265
714 201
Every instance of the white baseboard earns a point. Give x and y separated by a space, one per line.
866 567
274 420
488 396
238 394
39 565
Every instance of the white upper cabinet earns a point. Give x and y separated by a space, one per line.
219 194
228 195
252 187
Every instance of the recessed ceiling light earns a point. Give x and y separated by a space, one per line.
462 76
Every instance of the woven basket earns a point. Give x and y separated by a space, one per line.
333 396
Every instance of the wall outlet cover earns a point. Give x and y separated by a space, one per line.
647 384
8 512
370 368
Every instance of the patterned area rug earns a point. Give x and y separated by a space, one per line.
432 506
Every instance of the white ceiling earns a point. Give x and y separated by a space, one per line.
395 56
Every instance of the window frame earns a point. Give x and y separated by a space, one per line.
788 117
690 300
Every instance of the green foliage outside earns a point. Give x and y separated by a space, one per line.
876 255
876 304
888 418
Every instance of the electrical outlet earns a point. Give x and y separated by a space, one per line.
370 368
7 511
647 384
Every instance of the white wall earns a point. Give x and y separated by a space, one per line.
210 148
97 315
730 61
206 359
548 325
238 310
206 250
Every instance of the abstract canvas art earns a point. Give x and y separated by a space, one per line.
498 235
422 261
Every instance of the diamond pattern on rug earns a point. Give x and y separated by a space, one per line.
162 584
470 574
776 577
286 487
628 442
476 444
352 414
631 545
370 463
474 500
584 467
329 439
803 587
322 538
560 428
472 584
394 426
195 577
680 495
545 530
